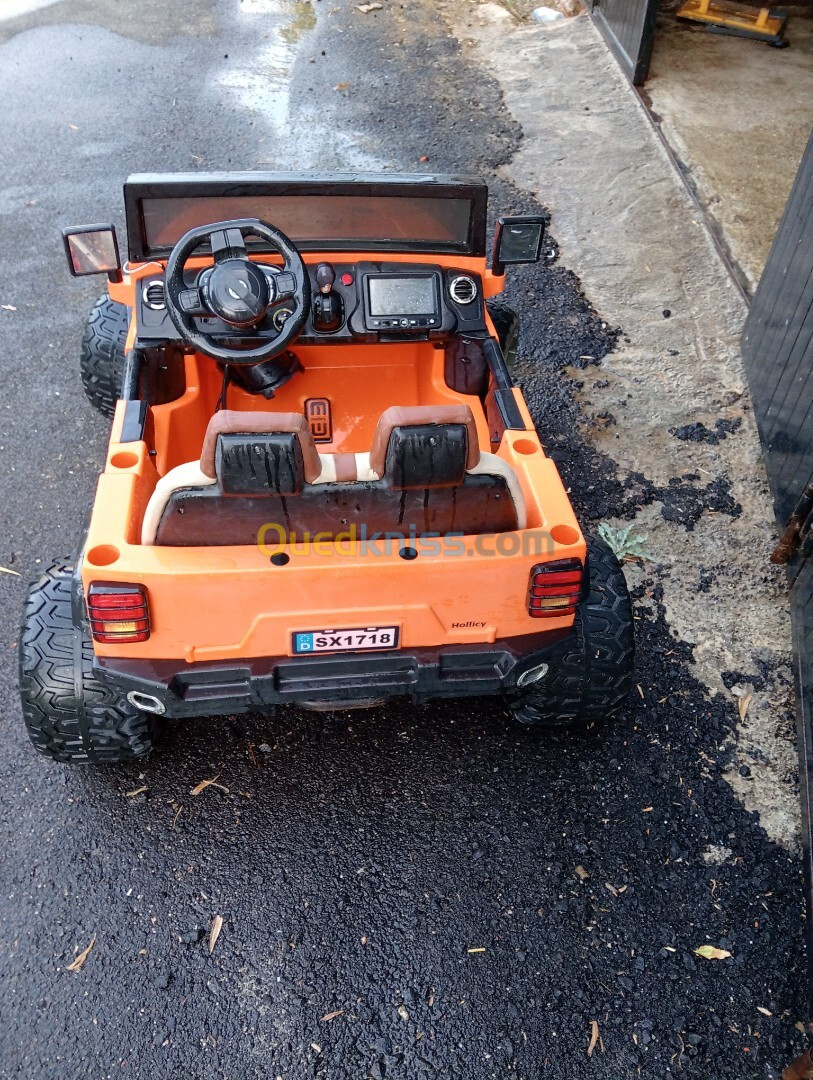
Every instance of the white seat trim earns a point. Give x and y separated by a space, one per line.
328 473
493 465
188 475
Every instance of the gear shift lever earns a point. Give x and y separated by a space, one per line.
328 309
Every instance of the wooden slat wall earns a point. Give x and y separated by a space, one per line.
778 352
778 348
628 27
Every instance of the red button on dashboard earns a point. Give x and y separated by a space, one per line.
346 279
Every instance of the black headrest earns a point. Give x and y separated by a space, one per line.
259 463
426 456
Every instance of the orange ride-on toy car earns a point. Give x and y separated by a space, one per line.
321 487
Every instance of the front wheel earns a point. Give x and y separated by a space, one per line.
591 681
102 357
69 714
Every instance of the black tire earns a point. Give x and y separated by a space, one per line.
102 357
506 323
71 716
591 681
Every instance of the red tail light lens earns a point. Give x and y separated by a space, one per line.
118 613
555 588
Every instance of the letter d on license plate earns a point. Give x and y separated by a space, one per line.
322 641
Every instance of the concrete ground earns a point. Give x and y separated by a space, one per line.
738 115
356 859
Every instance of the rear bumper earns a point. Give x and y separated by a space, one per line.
342 680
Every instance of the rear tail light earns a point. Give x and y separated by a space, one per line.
118 613
555 588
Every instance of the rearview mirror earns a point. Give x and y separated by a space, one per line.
92 249
517 240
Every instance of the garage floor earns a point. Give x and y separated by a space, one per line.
737 114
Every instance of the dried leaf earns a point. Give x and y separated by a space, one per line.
423 157
342 86
765 1012
582 873
647 809
476 949
742 705
366 8
198 788
136 791
593 1037
79 962
331 1016
214 933
709 952
611 888
5 570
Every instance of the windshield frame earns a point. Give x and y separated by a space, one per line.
141 187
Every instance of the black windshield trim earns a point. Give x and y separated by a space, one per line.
143 186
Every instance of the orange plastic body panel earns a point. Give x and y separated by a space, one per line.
221 603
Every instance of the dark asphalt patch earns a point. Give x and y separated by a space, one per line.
698 432
356 859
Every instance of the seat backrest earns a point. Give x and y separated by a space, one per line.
425 475
259 453
425 446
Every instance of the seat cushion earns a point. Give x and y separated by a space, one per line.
204 517
421 415
426 456
265 463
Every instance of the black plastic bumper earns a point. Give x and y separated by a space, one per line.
340 679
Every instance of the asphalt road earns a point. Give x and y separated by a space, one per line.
399 889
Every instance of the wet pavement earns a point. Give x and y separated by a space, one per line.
407 892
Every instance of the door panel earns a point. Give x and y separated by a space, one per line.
628 27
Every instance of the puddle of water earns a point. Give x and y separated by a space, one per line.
265 86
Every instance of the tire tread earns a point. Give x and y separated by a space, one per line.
108 729
593 678
102 356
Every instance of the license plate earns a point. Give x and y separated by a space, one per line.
322 641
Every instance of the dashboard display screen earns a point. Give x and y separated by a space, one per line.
402 295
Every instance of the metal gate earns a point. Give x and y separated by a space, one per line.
778 352
628 27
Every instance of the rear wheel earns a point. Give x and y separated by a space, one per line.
69 714
593 678
102 357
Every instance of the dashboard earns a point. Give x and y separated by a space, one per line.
363 301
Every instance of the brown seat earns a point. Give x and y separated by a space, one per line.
424 474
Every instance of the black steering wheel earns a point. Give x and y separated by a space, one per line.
241 293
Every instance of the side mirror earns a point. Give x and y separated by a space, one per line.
92 249
517 240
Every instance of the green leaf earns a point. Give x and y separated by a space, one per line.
624 544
